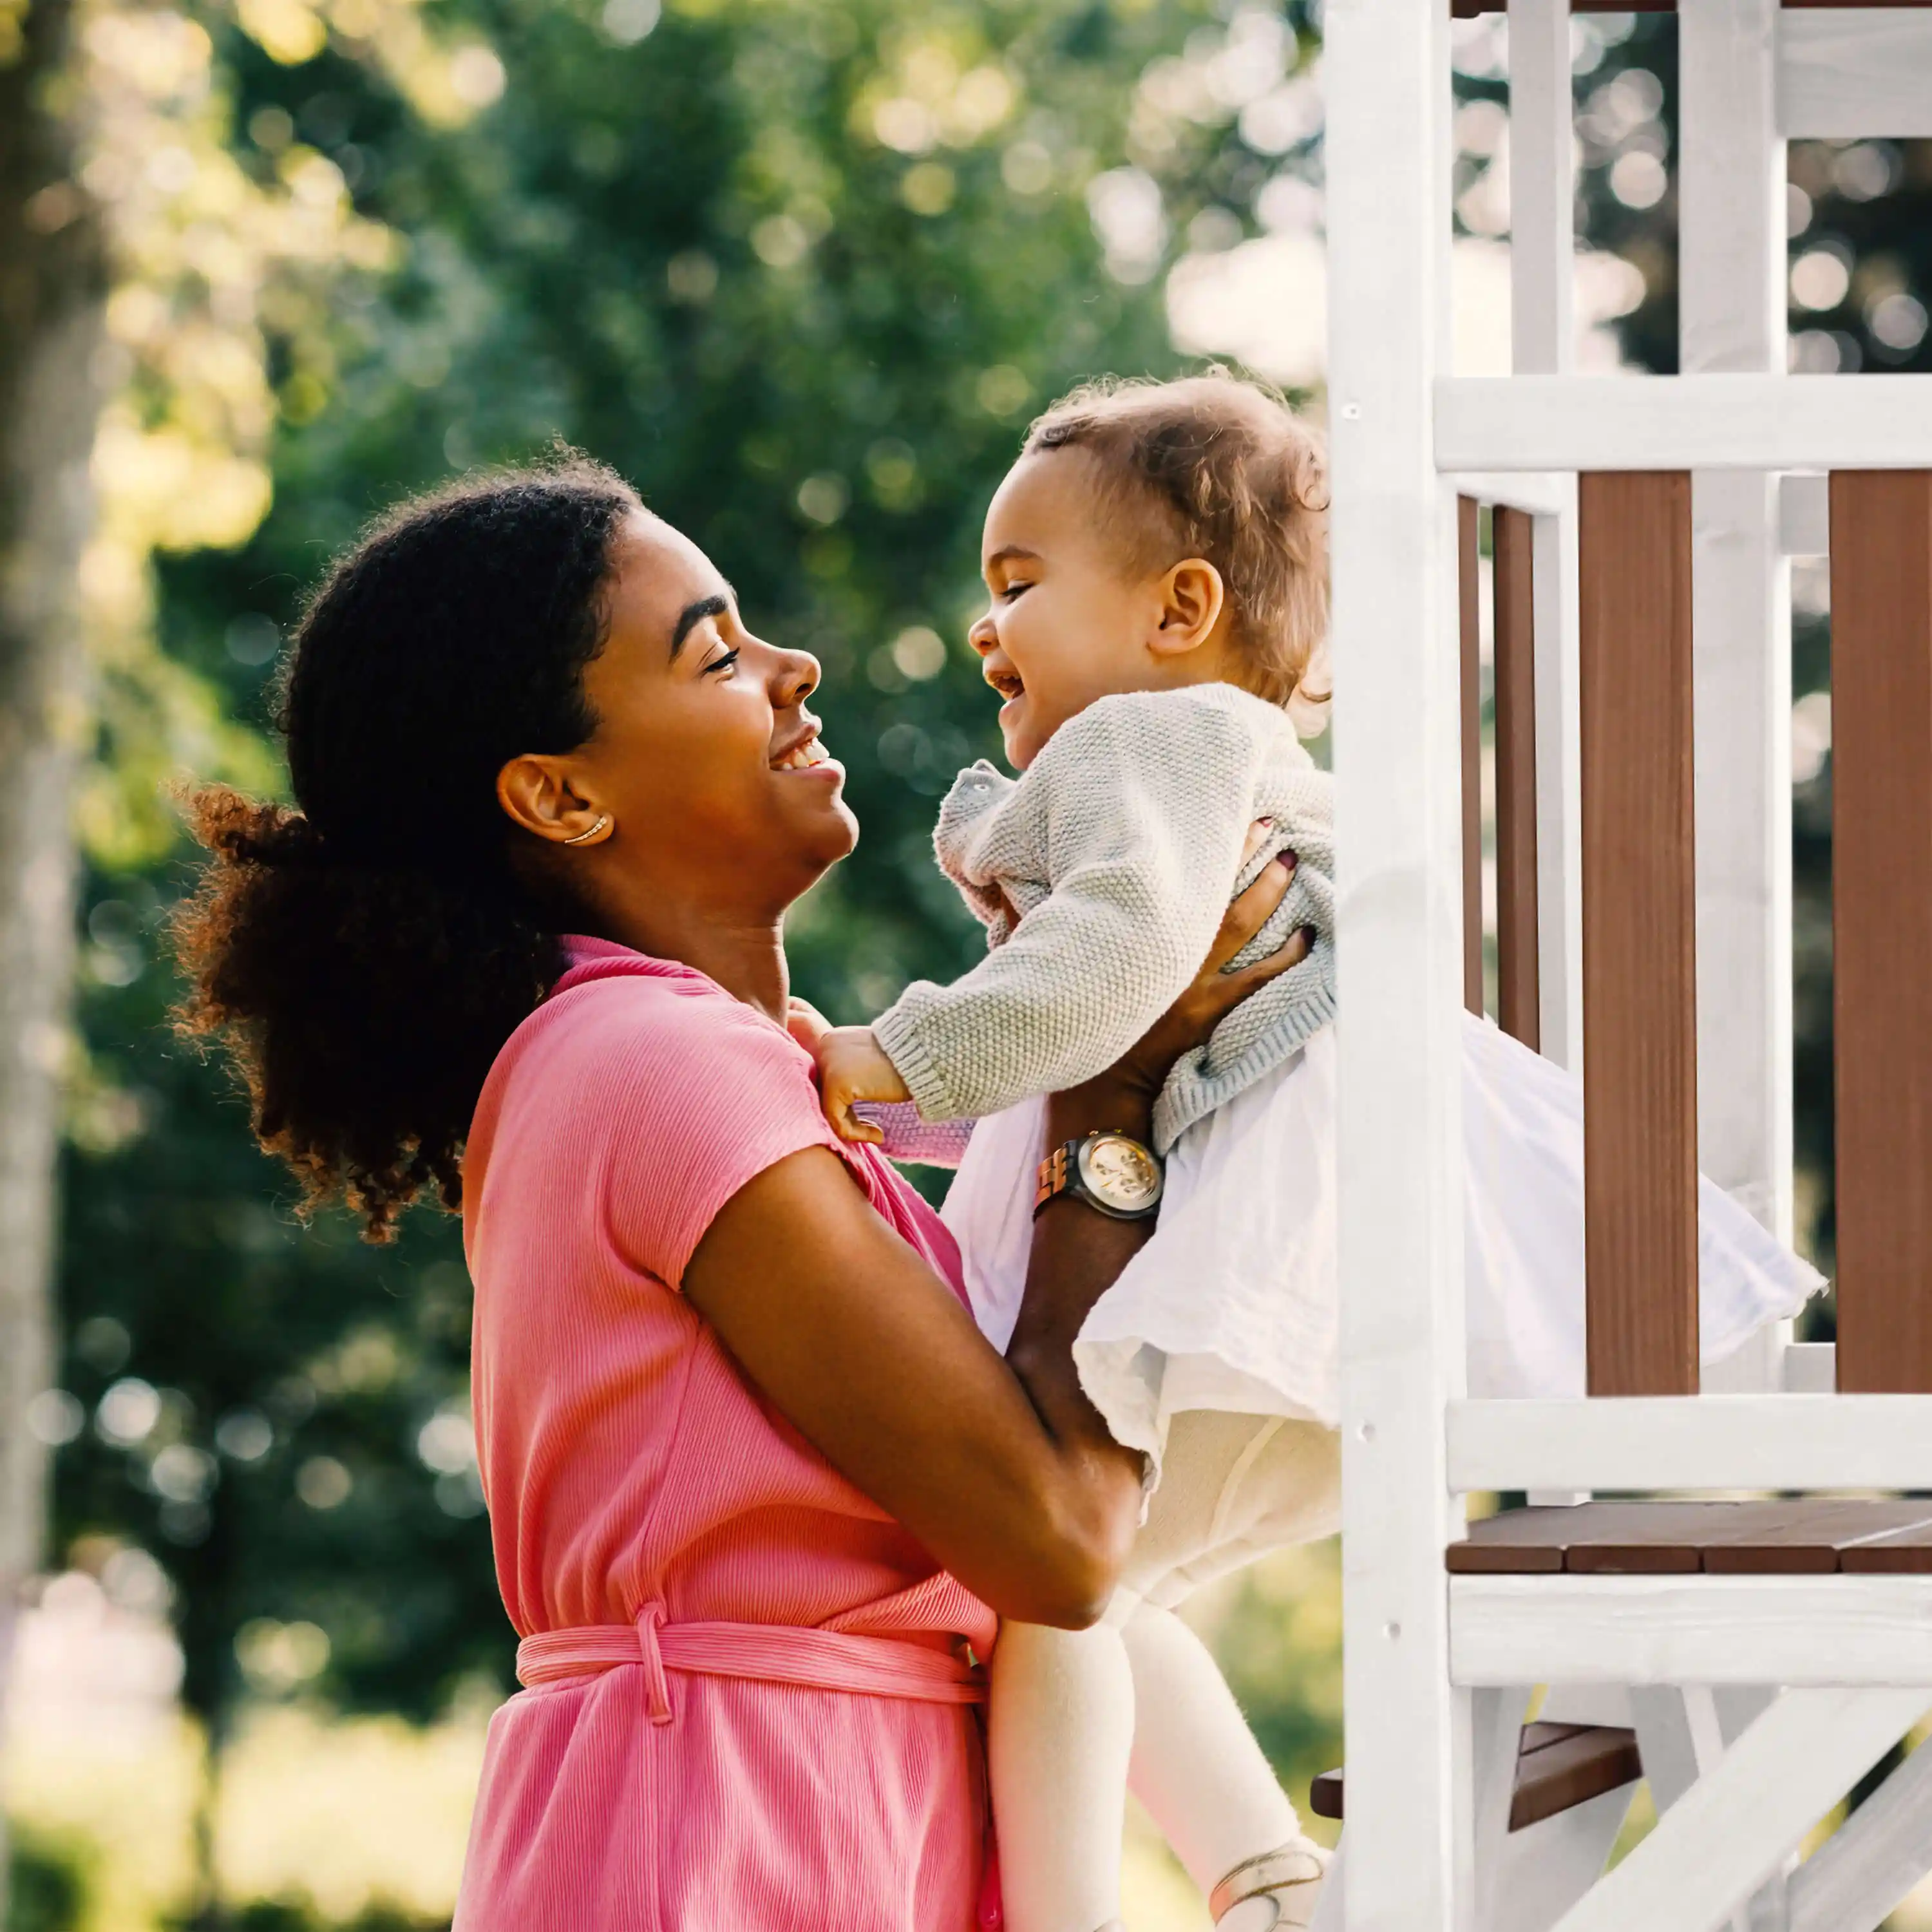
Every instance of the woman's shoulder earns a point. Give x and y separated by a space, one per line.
621 1034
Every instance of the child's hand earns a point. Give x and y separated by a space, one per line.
805 1024
852 1067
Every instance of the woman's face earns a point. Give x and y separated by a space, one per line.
704 756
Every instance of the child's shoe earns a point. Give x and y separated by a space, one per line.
1289 1878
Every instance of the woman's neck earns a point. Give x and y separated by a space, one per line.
744 954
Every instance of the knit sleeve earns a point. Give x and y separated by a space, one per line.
1139 807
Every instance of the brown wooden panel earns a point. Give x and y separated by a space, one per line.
1517 1008
1640 934
1909 1549
1786 1536
1882 923
1469 550
1468 10
1558 1767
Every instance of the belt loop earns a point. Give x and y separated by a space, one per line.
657 1688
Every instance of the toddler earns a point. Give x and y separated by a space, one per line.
1157 569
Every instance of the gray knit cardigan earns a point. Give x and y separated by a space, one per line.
1118 849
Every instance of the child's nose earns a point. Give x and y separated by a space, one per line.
983 636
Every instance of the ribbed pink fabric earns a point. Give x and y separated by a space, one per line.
635 1476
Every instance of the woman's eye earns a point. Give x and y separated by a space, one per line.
723 662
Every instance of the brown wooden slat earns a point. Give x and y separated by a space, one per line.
1640 934
1882 924
1790 1536
1468 564
1516 1003
1468 10
1909 1549
1558 1767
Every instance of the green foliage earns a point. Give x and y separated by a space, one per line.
46 1886
801 269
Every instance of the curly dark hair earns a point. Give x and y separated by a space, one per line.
362 955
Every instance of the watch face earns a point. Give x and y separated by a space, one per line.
1120 1172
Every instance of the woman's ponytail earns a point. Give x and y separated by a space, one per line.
362 955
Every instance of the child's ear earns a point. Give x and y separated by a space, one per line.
1192 599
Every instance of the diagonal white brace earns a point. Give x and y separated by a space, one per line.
1726 1835
1853 1881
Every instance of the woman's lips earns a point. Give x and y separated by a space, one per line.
803 756
809 758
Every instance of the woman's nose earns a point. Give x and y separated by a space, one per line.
796 678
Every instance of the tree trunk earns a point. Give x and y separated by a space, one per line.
52 286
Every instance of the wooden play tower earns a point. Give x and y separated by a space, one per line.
1754 1661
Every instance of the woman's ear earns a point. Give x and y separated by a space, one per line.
1192 599
539 797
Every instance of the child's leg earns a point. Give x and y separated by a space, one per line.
1060 1729
1196 1766
1233 1486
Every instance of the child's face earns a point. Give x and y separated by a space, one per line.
1068 622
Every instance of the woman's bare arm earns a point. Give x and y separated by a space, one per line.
1003 1469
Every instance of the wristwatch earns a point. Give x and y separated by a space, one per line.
1112 1172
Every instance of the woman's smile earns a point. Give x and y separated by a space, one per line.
805 751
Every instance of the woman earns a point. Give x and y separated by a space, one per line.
757 1486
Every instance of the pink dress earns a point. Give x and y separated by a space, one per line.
752 1709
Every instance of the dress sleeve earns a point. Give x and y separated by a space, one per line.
1144 803
701 1098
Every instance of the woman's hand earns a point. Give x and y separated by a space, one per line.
1214 994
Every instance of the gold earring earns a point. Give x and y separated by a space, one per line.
584 838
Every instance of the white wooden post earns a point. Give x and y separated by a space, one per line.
1399 950
1543 247
1731 282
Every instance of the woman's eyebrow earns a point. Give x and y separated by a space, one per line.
692 615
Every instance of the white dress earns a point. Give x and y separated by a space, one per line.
1231 1304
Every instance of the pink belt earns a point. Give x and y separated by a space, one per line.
875 1666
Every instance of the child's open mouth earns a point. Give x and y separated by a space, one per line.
1007 684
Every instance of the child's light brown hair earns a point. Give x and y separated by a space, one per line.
1214 467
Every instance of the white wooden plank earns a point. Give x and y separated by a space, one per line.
1805 515
1543 190
1811 1368
1731 279
1846 74
1703 1442
1803 1631
1684 422
1541 496
1495 1729
1551 1864
1399 938
1732 1830
1853 1881
1543 339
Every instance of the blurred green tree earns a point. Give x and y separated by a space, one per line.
802 270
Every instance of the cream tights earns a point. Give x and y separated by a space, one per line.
1075 1715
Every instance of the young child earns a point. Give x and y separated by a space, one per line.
1156 563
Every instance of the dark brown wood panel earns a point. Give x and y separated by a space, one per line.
1517 1009
1467 10
1882 924
1558 1767
1469 552
1640 934
1909 1549
1788 1536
